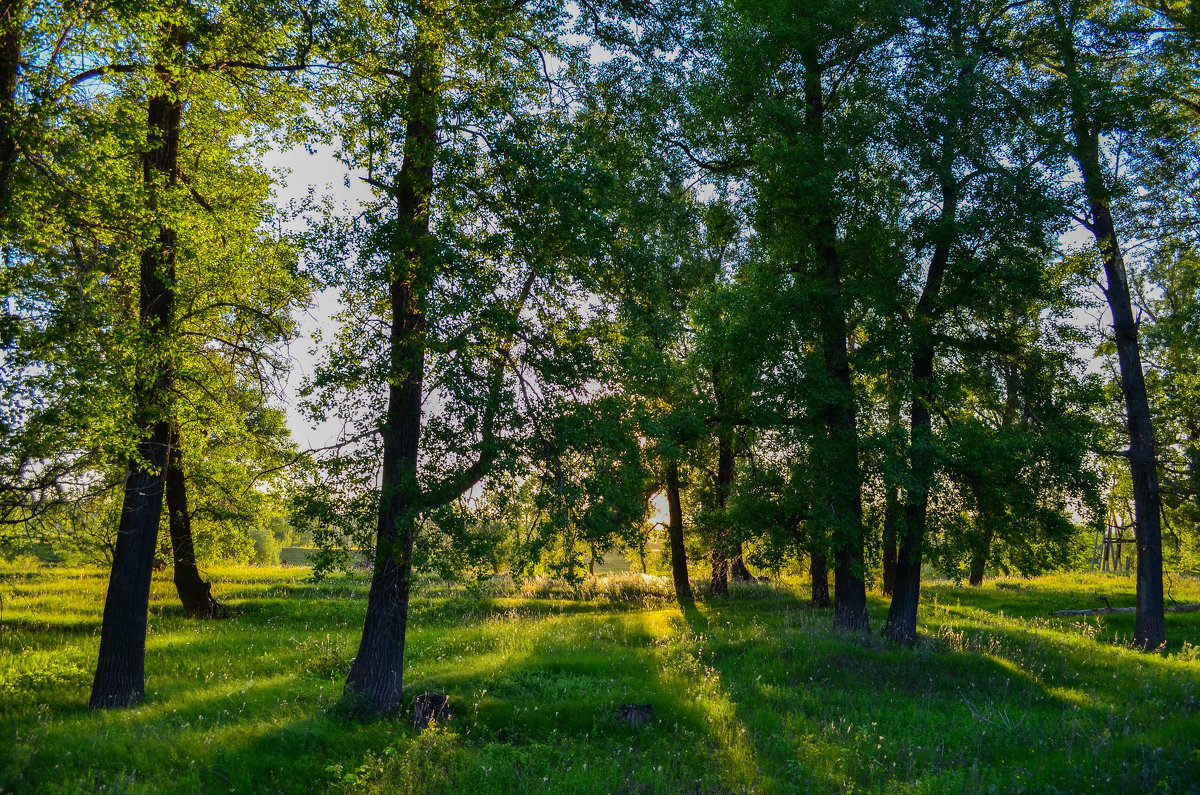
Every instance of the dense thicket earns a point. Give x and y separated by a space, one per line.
821 278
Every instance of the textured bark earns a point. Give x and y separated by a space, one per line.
679 570
120 669
840 442
12 14
737 565
1149 626
194 593
819 569
376 679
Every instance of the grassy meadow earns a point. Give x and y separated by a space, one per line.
754 693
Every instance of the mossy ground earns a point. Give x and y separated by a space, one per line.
752 693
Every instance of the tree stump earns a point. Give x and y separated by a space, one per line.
637 714
430 708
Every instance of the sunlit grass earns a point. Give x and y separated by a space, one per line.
754 692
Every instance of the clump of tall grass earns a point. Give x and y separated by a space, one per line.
612 587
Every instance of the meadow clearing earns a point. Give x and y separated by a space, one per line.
754 693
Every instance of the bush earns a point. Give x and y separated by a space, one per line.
266 546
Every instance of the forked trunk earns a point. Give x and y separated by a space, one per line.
737 565
679 570
194 593
120 669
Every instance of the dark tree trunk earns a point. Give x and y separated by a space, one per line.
893 509
819 569
376 679
901 624
1149 625
977 563
838 412
120 670
720 552
12 14
737 565
679 570
902 613
893 518
194 593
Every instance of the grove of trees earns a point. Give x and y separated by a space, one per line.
879 287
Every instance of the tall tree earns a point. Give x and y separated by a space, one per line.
980 234
457 304
1102 57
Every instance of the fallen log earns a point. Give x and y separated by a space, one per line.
1103 611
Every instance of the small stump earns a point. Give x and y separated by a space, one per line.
637 714
430 708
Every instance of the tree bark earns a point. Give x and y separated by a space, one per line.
901 624
194 593
819 570
978 561
737 565
893 516
120 670
679 570
12 14
375 682
838 411
720 560
1149 626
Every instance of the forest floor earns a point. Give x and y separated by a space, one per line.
752 693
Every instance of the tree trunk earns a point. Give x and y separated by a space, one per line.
977 563
376 679
120 670
679 570
720 560
737 565
1149 626
893 518
893 512
901 624
838 413
194 593
902 613
12 23
819 567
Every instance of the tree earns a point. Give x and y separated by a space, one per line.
457 302
980 233
116 209
1104 66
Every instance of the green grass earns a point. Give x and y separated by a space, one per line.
752 693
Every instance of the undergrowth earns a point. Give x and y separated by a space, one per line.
753 692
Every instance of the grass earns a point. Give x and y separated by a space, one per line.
752 693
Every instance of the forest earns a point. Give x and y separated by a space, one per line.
667 343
